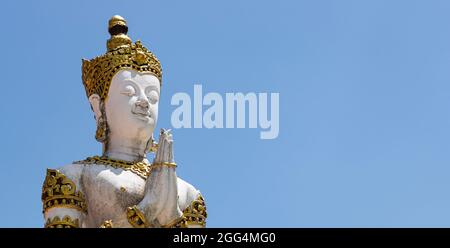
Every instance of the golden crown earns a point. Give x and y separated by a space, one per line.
121 53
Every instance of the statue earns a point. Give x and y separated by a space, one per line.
121 188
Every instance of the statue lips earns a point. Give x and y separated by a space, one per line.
145 116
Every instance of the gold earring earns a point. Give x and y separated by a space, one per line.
100 133
153 145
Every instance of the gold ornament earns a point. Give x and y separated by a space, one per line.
107 224
163 164
141 169
121 54
136 218
65 222
195 214
101 134
152 146
60 191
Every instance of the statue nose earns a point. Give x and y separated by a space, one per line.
143 104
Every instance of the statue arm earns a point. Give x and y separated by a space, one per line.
64 204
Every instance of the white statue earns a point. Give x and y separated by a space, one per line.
121 188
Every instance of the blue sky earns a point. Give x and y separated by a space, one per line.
364 105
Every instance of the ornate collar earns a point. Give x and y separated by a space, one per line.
141 169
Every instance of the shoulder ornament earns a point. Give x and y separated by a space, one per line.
60 191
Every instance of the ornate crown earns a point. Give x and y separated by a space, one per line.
122 53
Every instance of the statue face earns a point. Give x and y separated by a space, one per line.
132 104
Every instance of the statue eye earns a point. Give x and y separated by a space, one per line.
129 90
152 96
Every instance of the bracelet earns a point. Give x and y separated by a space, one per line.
164 164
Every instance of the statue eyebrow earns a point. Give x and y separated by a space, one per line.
153 87
131 81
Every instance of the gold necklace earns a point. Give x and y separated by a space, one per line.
141 169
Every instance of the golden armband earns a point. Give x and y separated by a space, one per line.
107 224
60 191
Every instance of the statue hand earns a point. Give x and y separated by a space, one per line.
160 202
165 149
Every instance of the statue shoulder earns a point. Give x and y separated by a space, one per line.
186 193
69 171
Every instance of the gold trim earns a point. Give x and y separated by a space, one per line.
163 164
116 20
60 191
139 168
136 218
65 222
195 214
107 224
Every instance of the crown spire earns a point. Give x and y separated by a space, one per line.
118 29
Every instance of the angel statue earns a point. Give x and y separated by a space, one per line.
121 188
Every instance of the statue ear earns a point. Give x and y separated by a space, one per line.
94 99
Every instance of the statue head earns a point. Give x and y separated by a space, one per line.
123 87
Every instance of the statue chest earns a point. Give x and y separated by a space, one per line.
109 191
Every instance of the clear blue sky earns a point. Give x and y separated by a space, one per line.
364 105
